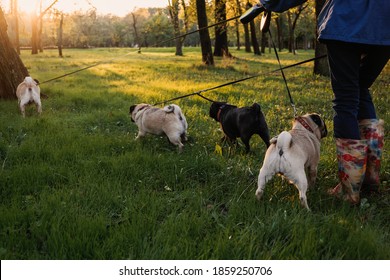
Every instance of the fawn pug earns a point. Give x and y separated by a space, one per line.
28 92
294 151
169 121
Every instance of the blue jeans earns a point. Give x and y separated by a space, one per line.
353 69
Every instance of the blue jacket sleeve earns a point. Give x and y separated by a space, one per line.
280 5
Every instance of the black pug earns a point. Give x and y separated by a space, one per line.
240 122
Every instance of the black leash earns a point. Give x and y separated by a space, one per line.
284 77
241 80
68 74
85 68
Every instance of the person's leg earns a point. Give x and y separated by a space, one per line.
344 63
373 61
371 129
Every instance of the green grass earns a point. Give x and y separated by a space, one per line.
74 183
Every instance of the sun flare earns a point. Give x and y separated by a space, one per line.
35 6
28 7
116 7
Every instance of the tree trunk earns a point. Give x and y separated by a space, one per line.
221 45
264 40
40 43
136 36
237 24
321 66
60 32
255 43
12 70
279 30
247 38
290 33
292 25
34 35
15 13
247 33
174 13
186 20
205 42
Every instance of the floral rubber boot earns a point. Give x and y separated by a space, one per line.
372 130
352 159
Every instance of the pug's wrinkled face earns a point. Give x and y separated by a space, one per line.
131 110
214 108
320 123
134 109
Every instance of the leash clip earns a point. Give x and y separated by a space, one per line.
295 109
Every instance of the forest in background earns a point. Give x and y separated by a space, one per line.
214 27
152 27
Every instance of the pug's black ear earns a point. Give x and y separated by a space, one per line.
36 81
256 107
132 107
316 119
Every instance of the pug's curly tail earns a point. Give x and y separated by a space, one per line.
169 108
284 142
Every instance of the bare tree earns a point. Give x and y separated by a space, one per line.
205 42
12 69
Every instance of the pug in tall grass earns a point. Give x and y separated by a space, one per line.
240 122
293 152
152 120
28 92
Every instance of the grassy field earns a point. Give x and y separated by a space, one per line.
74 183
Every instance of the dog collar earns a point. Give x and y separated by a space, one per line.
143 107
137 115
304 123
219 113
